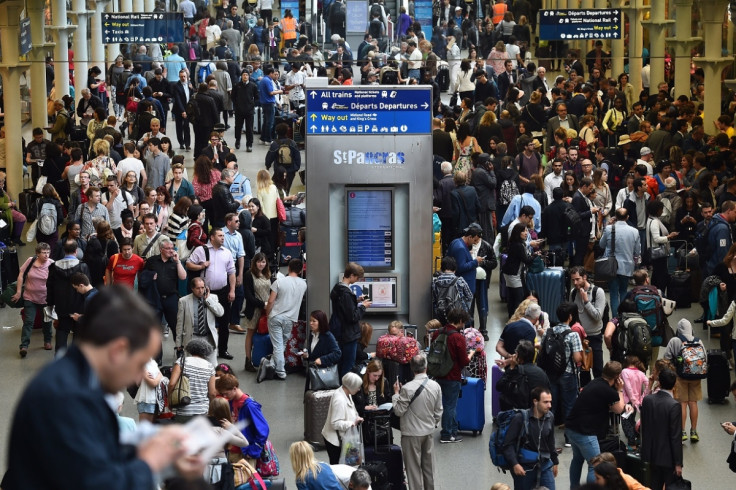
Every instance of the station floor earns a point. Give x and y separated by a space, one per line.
464 465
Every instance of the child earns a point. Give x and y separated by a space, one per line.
635 386
146 396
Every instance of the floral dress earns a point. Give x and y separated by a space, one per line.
463 160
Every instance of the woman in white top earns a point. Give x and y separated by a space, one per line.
146 396
341 415
624 193
201 374
657 235
465 85
268 194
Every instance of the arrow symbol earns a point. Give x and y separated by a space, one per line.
425 105
313 128
313 116
313 94
107 39
107 24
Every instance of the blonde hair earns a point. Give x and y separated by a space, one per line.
303 461
520 310
101 147
264 180
488 118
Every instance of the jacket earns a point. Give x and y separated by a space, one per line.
180 98
554 123
256 427
443 280
59 292
443 196
466 264
422 416
484 183
720 240
208 113
340 416
517 254
346 313
514 210
383 395
187 316
326 349
583 208
534 442
465 207
552 216
628 245
245 97
661 423
222 204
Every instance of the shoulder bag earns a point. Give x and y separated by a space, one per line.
606 268
656 251
179 394
323 378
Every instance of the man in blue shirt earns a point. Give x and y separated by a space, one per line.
234 243
174 64
267 92
525 199
459 249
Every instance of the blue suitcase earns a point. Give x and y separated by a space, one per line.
496 374
550 285
261 348
471 406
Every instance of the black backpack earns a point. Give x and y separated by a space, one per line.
572 218
375 10
192 110
516 391
552 358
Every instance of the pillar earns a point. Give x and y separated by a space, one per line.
37 56
138 6
61 30
713 63
617 45
149 5
683 42
97 49
10 70
113 50
81 48
635 12
657 32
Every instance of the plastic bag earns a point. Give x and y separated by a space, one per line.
352 452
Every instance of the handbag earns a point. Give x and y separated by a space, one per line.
453 99
323 378
179 394
31 233
660 251
262 327
536 266
268 463
280 210
7 295
606 268
679 484
42 180
244 474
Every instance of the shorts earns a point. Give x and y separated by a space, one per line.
689 390
146 407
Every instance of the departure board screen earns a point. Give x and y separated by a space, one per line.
370 227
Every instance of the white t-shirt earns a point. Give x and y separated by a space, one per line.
512 50
118 205
147 394
130 164
289 292
298 78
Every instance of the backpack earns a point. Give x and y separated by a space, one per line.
374 28
571 217
606 316
122 78
390 77
692 363
203 71
284 153
649 305
448 297
498 436
47 223
192 110
375 10
508 191
439 360
69 125
552 358
634 337
338 12
516 392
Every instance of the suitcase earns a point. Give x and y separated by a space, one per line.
496 374
443 78
392 370
680 288
378 471
502 281
550 285
394 461
26 201
638 469
291 247
9 266
316 406
261 348
377 431
292 360
615 446
471 407
719 377
258 119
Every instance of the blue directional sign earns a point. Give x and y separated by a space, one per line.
129 27
559 24
370 110
25 36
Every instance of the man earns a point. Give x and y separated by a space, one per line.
144 244
61 295
232 38
216 266
181 91
245 95
528 161
521 201
131 163
295 80
484 88
337 18
208 117
441 141
123 268
216 150
555 225
79 195
459 249
523 329
553 179
589 418
591 302
449 291
157 164
240 187
222 201
36 149
116 200
451 382
175 64
561 120
540 84
627 244
58 130
195 318
115 340
661 139
267 95
347 311
234 243
636 208
283 310
539 440
161 92
520 377
720 236
419 406
442 204
507 79
661 445
636 119
414 60
73 230
645 158
86 107
284 155
587 212
89 210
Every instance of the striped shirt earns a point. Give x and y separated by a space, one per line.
199 372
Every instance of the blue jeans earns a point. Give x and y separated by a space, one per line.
279 328
237 305
415 74
565 390
529 481
584 448
30 315
618 288
347 361
450 394
269 112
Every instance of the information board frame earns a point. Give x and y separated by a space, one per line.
371 188
575 24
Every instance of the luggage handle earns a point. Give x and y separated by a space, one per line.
683 246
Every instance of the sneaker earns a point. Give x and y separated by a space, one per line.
23 351
249 149
684 435
47 346
694 435
445 439
456 438
166 331
567 444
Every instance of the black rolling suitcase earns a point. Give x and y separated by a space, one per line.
26 201
680 288
443 78
719 377
638 469
9 266
391 456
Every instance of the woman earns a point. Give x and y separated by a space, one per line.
628 90
497 56
464 147
32 287
11 215
569 186
102 165
205 178
100 247
268 194
54 164
522 33
162 207
539 194
376 389
178 220
507 27
604 198
253 54
146 397
261 227
114 73
201 374
657 236
513 270
707 185
341 416
130 185
451 129
346 76
179 186
167 148
97 122
321 347
49 196
311 474
726 271
466 110
533 114
609 478
511 105
483 179
663 170
614 122
686 169
625 192
257 285
488 129
151 198
361 355
589 132
687 217
196 235
96 85
220 416
464 83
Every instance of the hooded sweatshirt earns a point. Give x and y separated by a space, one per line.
59 290
684 331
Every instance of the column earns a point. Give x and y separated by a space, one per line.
10 70
37 56
138 6
635 12
97 49
713 63
683 42
113 49
61 31
81 48
149 5
657 31
617 45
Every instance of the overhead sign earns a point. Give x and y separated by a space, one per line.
157 27
25 36
379 110
558 24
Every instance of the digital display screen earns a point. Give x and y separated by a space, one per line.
382 291
370 227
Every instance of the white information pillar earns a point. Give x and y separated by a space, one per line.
81 48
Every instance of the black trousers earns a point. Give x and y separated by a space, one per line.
223 322
183 135
662 475
248 120
333 452
169 309
581 248
201 137
66 326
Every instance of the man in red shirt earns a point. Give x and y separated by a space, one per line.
122 268
450 384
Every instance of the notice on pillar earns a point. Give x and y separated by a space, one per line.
128 27
565 25
25 36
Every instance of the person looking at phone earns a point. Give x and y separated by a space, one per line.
347 311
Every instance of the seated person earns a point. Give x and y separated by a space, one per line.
396 328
